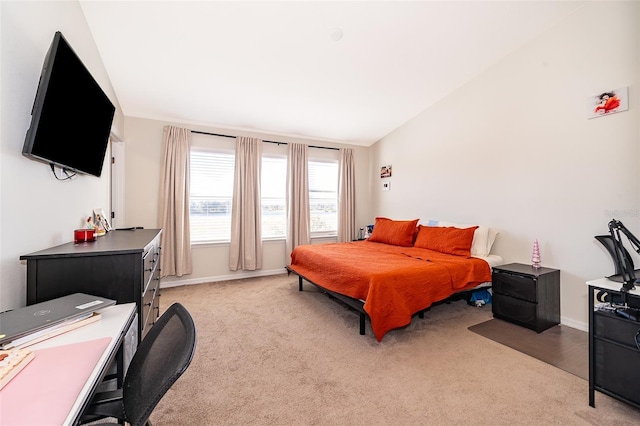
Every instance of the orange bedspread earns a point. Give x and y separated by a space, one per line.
395 282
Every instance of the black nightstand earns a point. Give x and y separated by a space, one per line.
526 296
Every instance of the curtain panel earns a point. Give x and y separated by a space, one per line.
173 203
245 251
298 215
347 228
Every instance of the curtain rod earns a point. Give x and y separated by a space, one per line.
276 142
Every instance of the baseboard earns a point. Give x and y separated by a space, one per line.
229 277
574 324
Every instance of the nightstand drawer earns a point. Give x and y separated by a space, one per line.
516 310
521 287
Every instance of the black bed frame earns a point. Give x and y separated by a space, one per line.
358 305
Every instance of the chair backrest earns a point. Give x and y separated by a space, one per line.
607 242
161 358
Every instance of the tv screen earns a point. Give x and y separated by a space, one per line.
71 116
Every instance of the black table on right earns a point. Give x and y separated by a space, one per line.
614 342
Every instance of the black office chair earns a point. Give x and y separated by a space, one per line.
161 358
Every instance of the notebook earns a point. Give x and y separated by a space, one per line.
31 319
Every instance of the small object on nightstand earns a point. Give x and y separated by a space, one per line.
369 231
535 256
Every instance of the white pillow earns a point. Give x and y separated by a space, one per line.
483 237
492 239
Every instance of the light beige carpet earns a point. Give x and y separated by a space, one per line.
268 354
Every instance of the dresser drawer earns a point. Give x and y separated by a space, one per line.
147 305
150 264
516 310
522 287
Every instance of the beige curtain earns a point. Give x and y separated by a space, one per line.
173 203
245 251
347 228
298 216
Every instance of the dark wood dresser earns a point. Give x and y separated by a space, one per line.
121 265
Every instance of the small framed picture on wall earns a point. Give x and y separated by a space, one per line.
608 102
385 171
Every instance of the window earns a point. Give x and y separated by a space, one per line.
273 192
210 194
323 197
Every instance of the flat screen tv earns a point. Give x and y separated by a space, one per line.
71 116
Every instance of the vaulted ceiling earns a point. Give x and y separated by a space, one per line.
326 70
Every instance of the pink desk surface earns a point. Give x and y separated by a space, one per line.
45 390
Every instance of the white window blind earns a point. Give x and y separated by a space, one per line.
210 193
323 197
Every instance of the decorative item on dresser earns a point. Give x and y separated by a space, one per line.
526 295
122 265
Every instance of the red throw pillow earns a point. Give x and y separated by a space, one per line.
448 240
395 232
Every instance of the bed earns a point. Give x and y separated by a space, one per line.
400 271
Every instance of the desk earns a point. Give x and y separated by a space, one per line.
114 324
614 357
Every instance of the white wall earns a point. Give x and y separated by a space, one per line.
211 261
513 149
36 210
